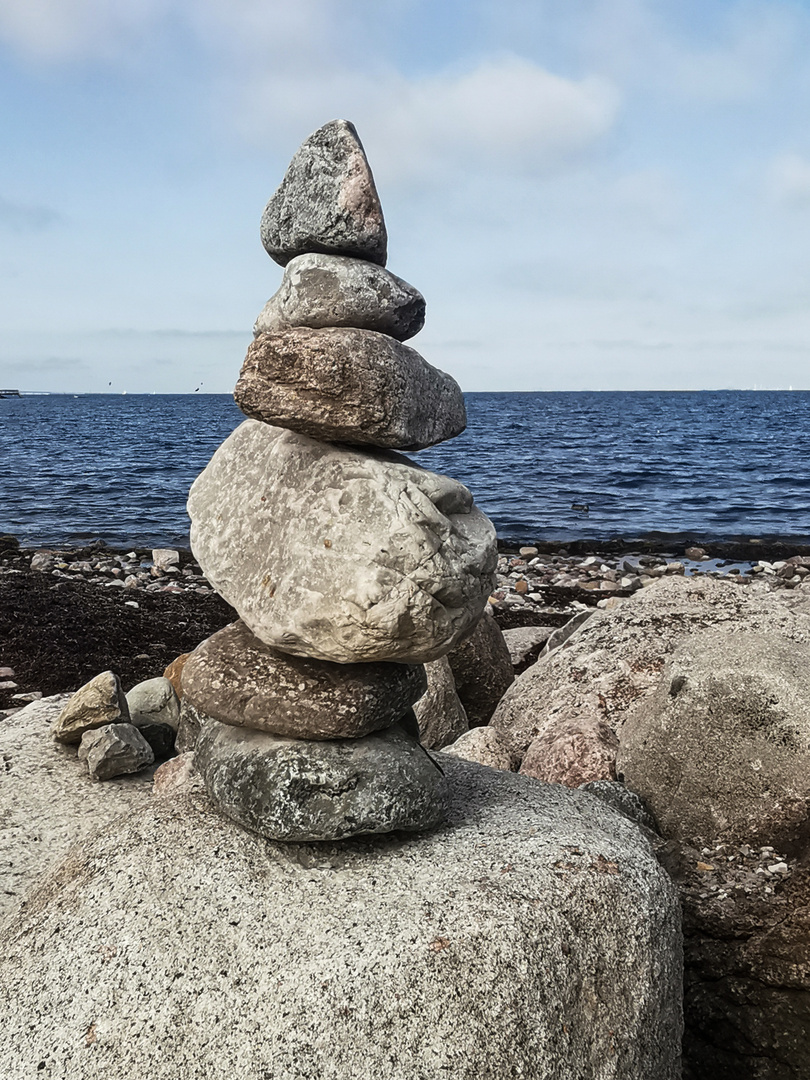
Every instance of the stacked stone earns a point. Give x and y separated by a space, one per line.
350 567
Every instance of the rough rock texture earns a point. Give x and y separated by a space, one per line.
114 750
616 658
327 201
328 290
351 386
188 730
297 789
175 775
533 936
484 746
721 750
237 679
340 555
174 673
47 800
572 751
100 701
562 633
623 800
440 714
525 643
154 701
482 668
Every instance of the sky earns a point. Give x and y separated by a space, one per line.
590 194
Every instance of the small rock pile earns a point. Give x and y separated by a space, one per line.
163 570
350 567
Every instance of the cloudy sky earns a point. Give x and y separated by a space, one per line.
591 194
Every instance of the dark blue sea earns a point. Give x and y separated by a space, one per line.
713 465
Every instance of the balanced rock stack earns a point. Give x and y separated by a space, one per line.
349 565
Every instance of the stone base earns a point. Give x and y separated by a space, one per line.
532 936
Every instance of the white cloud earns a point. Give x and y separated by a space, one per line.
54 30
788 181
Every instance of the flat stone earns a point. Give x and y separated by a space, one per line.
327 201
351 386
114 750
440 714
330 290
337 554
47 801
99 702
482 669
297 789
154 701
484 746
237 679
533 935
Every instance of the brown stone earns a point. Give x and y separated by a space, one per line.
440 714
99 702
235 678
572 751
341 384
174 673
482 668
176 775
484 746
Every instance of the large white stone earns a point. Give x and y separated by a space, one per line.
533 936
339 554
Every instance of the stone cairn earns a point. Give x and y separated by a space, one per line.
349 565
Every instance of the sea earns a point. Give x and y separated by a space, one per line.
712 465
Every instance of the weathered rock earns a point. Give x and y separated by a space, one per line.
329 290
297 789
177 774
572 750
47 801
564 632
616 658
534 935
99 702
154 701
440 714
114 750
163 558
484 746
351 386
622 799
340 555
721 750
327 201
237 679
174 673
482 668
525 643
189 727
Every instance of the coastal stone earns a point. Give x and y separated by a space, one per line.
562 634
99 702
440 714
174 673
43 560
482 668
572 750
327 201
47 803
721 749
165 559
353 386
616 658
7 673
154 701
188 728
622 799
340 555
330 290
237 679
524 644
177 774
298 789
114 750
484 746
533 935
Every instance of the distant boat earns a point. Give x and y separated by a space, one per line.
10 393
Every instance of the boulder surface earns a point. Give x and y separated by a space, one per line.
482 669
237 679
534 935
327 201
99 702
340 555
351 386
328 290
300 789
440 714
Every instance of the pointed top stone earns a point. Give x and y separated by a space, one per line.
327 201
